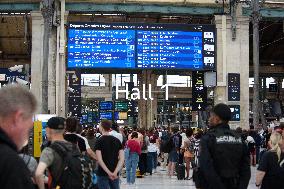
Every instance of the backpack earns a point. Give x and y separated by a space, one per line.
177 140
76 169
167 145
144 145
165 136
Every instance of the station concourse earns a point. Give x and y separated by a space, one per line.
146 67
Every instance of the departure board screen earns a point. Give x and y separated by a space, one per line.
169 49
141 46
101 48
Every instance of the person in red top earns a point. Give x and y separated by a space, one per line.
132 152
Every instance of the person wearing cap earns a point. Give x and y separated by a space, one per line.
17 106
49 158
224 159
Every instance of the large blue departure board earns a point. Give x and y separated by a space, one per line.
101 48
141 46
169 49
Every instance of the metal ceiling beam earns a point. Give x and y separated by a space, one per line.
267 12
143 8
19 7
136 8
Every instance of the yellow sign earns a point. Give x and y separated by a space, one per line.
37 138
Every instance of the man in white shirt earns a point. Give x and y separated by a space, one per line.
115 132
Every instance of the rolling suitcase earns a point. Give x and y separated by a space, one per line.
180 172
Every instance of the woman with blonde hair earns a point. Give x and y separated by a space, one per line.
270 173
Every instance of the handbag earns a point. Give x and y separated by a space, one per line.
188 154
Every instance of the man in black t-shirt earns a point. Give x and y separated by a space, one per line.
110 157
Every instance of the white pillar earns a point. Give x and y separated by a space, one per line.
233 57
52 72
108 79
61 65
37 57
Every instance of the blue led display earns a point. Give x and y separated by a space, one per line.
141 46
101 48
105 106
169 49
106 115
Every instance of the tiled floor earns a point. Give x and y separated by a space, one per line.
161 181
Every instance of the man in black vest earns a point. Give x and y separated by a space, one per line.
224 159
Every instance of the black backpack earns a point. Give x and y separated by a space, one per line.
167 145
165 136
76 169
145 145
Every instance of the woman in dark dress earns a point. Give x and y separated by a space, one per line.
270 172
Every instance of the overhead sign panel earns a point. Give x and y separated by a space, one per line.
106 105
199 92
106 115
121 106
141 46
233 86
235 112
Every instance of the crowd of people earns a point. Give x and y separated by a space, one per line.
74 157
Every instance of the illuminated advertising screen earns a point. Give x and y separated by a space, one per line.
141 46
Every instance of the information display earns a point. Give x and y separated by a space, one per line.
121 106
273 87
105 105
169 49
106 115
120 115
199 92
141 46
236 112
234 92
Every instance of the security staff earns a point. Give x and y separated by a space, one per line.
224 160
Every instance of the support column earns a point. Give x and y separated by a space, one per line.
37 57
151 104
108 78
147 108
142 109
233 57
52 72
61 86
